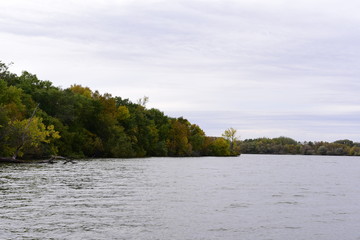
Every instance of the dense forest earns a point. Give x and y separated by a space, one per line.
285 145
38 120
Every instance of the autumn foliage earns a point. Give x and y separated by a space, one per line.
38 119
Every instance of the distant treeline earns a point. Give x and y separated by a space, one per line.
38 119
285 145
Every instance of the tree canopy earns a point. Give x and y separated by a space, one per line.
80 122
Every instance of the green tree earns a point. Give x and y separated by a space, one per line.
322 150
11 101
197 140
220 147
178 142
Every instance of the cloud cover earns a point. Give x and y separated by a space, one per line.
267 68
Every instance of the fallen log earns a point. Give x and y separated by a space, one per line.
10 160
51 160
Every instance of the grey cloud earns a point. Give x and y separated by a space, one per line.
242 56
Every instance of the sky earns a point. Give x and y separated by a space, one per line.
267 68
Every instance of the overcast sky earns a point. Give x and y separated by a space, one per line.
265 67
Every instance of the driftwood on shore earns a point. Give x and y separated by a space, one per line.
51 160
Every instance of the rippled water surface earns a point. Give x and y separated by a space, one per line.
247 197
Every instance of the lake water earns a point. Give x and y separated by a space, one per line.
250 197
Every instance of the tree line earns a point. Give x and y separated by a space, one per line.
285 145
38 119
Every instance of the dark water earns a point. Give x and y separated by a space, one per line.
248 197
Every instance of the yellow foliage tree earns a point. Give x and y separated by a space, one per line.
123 113
78 89
231 136
28 133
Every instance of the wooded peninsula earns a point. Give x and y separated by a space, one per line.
39 120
